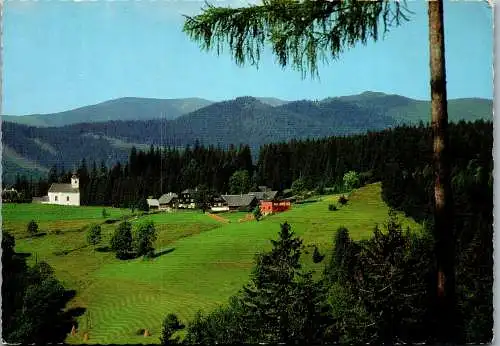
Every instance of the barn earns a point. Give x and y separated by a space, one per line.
274 206
240 202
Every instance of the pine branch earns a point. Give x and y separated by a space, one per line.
299 32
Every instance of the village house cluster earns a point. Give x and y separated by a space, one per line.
268 201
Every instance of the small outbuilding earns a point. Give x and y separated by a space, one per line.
153 204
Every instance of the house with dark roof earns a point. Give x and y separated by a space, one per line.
264 195
168 201
187 199
10 195
241 202
219 204
65 194
264 188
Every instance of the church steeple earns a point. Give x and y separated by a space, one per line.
75 183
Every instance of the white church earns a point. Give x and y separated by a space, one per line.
63 194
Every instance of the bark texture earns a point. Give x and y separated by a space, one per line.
443 212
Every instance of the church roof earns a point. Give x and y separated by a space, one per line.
66 188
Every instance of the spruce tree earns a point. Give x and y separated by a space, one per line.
277 309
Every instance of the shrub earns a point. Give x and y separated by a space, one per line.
142 205
332 207
104 213
351 180
317 257
299 187
171 324
257 213
94 235
121 242
144 238
343 200
32 227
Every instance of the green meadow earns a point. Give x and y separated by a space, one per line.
201 262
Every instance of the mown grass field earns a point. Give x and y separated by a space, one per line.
204 261
50 218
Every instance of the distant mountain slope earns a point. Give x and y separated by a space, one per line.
272 101
127 108
406 110
13 163
247 120
41 148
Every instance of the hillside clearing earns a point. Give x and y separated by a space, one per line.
202 262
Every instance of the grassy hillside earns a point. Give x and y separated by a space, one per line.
201 262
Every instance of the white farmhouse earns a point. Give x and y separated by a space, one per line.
65 194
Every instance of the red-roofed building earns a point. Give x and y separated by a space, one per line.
276 206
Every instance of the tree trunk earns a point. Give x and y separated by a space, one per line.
443 213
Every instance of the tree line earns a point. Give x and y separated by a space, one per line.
317 162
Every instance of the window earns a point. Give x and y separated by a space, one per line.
55 198
67 198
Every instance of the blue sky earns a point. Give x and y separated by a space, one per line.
62 55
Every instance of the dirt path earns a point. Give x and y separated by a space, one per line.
218 218
248 217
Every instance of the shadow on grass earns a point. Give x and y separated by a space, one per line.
67 320
307 202
33 236
59 326
103 249
111 221
163 252
65 252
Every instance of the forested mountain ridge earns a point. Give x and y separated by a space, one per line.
244 120
125 108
